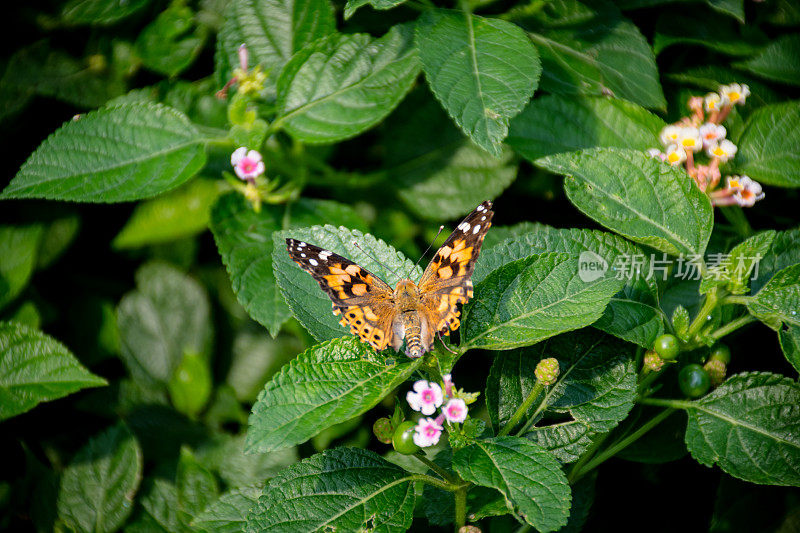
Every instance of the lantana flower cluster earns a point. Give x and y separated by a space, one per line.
701 136
428 397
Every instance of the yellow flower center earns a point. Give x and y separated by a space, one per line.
719 152
734 96
673 157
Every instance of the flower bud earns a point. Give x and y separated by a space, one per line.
547 371
653 361
383 430
716 371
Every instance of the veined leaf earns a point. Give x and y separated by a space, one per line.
98 486
166 316
100 12
565 440
501 233
784 252
483 71
779 300
197 487
273 31
381 5
637 196
18 248
344 84
528 476
769 147
531 299
734 270
724 36
749 426
555 124
180 213
329 383
114 154
347 489
225 455
778 61
228 514
309 304
171 43
633 315
35 368
790 345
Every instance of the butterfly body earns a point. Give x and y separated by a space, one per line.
412 312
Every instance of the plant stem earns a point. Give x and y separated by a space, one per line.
734 299
461 507
522 409
420 456
586 457
618 446
732 326
663 402
438 483
702 316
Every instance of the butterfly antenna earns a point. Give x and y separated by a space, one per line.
429 246
381 263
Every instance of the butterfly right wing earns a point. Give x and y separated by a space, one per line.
364 301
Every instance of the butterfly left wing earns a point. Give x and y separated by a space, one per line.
446 282
363 300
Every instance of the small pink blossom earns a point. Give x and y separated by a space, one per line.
247 165
425 398
427 432
712 133
715 102
748 191
675 154
722 151
455 410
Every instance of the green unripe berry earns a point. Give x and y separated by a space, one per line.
721 353
667 347
694 380
403 438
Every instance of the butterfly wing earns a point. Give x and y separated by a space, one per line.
446 282
363 300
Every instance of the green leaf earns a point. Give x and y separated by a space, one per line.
57 237
228 513
309 304
273 31
565 440
691 27
381 5
555 124
528 476
35 368
115 154
100 12
681 322
18 248
596 383
710 77
350 490
181 213
160 513
769 147
344 84
329 383
226 456
733 271
790 345
501 233
307 212
778 61
98 486
638 197
439 173
197 487
779 300
483 71
531 299
633 315
166 316
661 444
749 427
596 54
171 43
784 252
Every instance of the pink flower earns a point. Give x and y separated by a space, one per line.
747 191
427 432
455 410
247 165
425 398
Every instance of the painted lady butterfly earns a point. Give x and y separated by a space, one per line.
415 312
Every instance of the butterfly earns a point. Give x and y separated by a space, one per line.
414 312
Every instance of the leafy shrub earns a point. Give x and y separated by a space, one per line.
200 380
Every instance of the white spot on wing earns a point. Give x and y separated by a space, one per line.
302 255
476 229
465 228
313 262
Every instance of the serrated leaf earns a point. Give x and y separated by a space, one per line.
637 196
784 252
307 212
749 426
197 487
531 299
228 514
273 31
181 213
226 456
778 61
166 316
160 513
769 147
381 5
565 440
98 486
329 383
309 304
530 478
596 383
100 12
597 52
347 489
779 300
344 84
18 248
734 270
555 124
501 233
114 154
680 321
790 345
36 368
483 71
633 315
440 174
171 43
